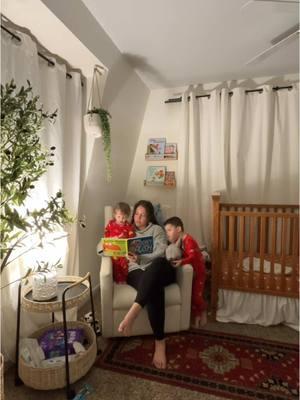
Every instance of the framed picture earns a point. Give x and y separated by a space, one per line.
171 151
156 175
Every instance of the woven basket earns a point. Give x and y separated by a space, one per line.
55 377
52 306
1 377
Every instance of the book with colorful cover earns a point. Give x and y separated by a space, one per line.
156 147
114 247
171 151
170 178
156 175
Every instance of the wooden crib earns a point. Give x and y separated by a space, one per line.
255 249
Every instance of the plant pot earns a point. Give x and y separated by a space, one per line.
92 124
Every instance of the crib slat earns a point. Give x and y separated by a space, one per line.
283 253
231 247
267 231
295 253
292 222
252 249
273 252
241 248
262 250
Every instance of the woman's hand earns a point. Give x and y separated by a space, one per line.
133 258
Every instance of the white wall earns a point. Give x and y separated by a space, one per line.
163 120
125 97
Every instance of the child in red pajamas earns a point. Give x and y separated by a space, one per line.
191 255
120 228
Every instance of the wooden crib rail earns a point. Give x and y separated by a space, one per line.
255 248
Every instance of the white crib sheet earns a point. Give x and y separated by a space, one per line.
260 309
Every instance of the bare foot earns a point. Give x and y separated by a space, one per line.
199 321
159 357
203 319
126 324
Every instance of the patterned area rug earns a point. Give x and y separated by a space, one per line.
232 366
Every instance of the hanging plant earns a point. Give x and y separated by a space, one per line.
104 123
96 120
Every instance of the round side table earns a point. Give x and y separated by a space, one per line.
72 291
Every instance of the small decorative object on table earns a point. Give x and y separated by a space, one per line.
44 285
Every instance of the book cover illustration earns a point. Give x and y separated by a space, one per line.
171 151
170 179
156 175
114 247
156 148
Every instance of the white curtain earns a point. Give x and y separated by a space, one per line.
21 62
243 144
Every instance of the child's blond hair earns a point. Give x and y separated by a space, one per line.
123 207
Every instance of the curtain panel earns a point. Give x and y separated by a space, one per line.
245 145
20 61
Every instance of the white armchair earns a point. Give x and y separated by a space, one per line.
116 299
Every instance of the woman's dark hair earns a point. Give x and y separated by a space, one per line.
148 206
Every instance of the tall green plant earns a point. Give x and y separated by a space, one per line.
23 162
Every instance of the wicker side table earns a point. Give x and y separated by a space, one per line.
72 291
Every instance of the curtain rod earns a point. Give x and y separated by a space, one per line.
50 62
275 88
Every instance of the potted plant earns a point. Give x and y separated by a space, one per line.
23 162
100 124
96 120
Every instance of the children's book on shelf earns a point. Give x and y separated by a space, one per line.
156 148
122 247
171 151
170 178
155 175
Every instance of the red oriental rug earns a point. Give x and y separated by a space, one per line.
232 366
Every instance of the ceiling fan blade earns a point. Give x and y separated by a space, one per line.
278 1
274 48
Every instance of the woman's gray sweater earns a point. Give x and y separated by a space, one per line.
159 246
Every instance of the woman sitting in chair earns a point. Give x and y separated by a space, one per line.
149 274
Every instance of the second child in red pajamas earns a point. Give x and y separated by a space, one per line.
191 254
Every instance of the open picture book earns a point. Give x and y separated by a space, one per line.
122 247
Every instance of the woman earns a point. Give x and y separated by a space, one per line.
149 274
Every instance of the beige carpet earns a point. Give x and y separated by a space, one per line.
113 386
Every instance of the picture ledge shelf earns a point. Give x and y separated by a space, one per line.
146 183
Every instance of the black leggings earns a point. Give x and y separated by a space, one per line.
150 285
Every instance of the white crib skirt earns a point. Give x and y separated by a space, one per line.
260 309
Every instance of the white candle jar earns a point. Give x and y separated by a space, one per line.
44 286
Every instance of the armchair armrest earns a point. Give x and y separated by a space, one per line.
185 280
106 294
